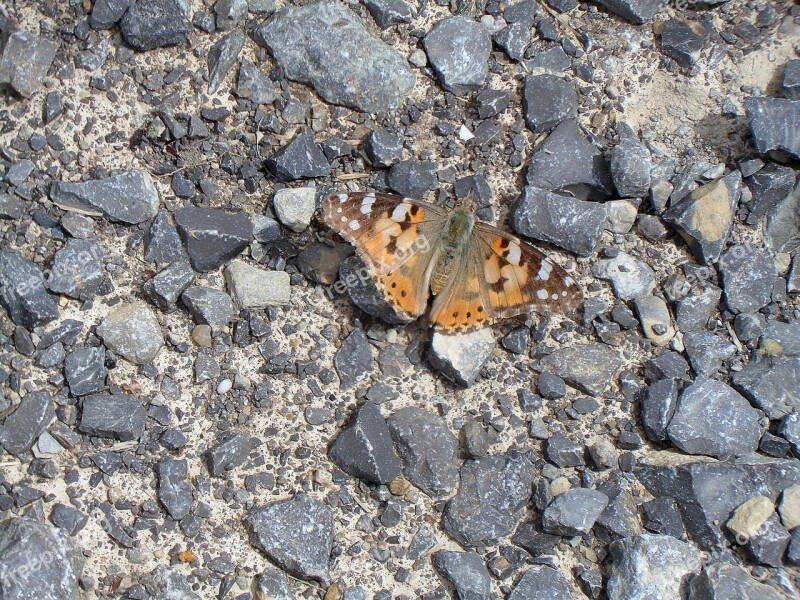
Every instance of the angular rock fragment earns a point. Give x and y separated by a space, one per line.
588 367
547 100
77 269
541 581
174 489
212 236
466 571
85 370
133 332
23 293
748 275
251 287
151 24
574 512
30 419
25 60
458 49
120 417
774 124
166 287
461 356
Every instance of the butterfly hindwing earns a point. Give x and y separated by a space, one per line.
518 278
461 305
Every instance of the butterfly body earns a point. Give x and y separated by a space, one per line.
474 271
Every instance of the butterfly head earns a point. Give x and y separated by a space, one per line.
465 204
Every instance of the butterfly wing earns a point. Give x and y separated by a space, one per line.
517 278
397 240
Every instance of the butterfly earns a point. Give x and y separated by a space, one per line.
475 271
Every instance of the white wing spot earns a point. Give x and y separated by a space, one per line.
366 204
400 211
514 254
554 296
542 294
354 225
339 210
545 270
344 219
564 293
569 281
342 198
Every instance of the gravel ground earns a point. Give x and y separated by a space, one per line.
192 407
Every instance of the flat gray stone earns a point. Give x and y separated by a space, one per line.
77 269
466 571
772 386
296 534
222 56
541 581
151 24
729 581
635 11
128 197
120 417
25 60
30 419
774 125
458 49
85 370
209 306
23 293
314 45
588 367
574 512
174 489
166 286
229 453
212 236
461 356
251 287
133 332
354 360
547 100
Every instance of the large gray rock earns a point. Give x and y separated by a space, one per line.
588 367
129 197
748 274
771 385
466 571
704 217
37 561
324 44
711 418
212 236
729 581
783 223
25 60
150 24
120 417
458 49
541 581
133 332
493 492
23 293
708 491
572 224
574 512
461 356
774 124
428 449
650 566
296 534
30 419
77 269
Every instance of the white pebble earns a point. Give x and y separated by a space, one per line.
224 386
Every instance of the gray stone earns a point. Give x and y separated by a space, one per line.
793 282
790 430
299 159
541 581
265 229
729 581
254 85
272 584
313 44
749 326
389 12
227 454
774 123
19 171
563 451
771 385
748 274
572 224
174 489
569 163
68 519
707 351
461 356
129 197
782 233
320 262
651 566
635 11
574 512
620 519
107 13
133 332
120 417
296 534
712 419
168 584
151 24
708 491
588 367
769 543
517 340
23 293
67 332
621 215
694 311
53 103
493 493
52 356
704 217
515 37
364 449
25 60
661 515
534 540
212 236
630 164
209 306
466 571
354 360
251 287
165 287
547 100
222 55
77 269
37 561
681 42
383 147
768 187
631 278
491 102
162 244
229 13
295 207
30 419
413 178
655 319
458 50
790 85
793 552
427 448
657 408
85 370
11 207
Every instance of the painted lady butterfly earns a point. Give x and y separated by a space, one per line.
475 271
